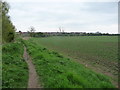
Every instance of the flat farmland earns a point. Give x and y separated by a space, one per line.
99 53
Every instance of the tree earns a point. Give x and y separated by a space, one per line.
8 29
40 34
32 31
0 22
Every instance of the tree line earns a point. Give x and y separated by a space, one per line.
31 33
8 29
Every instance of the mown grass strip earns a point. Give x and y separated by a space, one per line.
55 71
14 68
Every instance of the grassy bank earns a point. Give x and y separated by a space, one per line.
98 52
56 71
14 68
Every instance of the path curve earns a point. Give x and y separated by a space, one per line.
33 77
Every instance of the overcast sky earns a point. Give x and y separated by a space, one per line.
72 15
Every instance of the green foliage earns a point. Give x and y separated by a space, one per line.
56 71
39 34
14 68
8 29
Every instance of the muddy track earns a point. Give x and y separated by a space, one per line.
33 77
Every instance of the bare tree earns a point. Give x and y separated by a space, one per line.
60 29
32 31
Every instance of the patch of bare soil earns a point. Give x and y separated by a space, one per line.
33 77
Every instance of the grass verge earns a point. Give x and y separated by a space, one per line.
14 68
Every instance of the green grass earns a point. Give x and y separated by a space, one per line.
104 47
98 51
14 68
56 71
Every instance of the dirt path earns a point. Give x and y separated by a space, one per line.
33 78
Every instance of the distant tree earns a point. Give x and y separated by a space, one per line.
60 29
32 31
40 34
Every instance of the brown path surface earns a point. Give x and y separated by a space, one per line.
33 78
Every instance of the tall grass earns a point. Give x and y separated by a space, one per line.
14 68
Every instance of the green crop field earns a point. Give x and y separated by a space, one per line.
14 68
99 53
56 71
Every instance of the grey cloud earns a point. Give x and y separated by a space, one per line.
70 15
